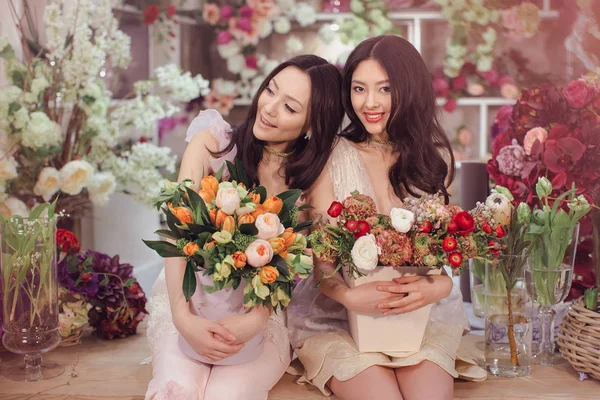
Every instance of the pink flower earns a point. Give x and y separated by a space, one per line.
475 89
226 12
251 61
263 8
511 159
440 86
245 12
464 137
450 105
211 13
459 83
490 76
224 37
562 153
578 94
505 79
245 25
504 117
532 136
510 91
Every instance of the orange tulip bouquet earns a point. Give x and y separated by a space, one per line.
235 234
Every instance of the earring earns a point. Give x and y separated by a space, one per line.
308 135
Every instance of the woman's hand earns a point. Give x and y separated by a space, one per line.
367 297
246 326
418 291
208 338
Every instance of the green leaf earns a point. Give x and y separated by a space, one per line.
241 173
18 79
89 100
189 281
281 266
248 229
87 262
194 198
219 174
262 191
305 207
289 197
164 249
208 262
303 225
232 171
210 289
105 281
37 211
198 229
129 282
13 108
7 52
166 233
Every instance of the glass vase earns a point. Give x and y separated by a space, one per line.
549 273
508 326
476 280
30 296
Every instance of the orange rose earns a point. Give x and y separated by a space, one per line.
255 197
290 236
268 274
239 260
207 195
228 224
191 248
260 209
246 219
220 219
209 182
241 184
184 215
278 245
273 204
208 246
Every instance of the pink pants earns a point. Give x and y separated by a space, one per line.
178 377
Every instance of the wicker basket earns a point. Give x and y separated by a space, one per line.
579 339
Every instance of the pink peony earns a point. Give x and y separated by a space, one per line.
245 25
224 37
504 117
440 86
511 159
226 12
450 105
459 83
533 135
578 94
490 76
245 12
251 61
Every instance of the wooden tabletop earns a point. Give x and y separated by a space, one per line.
99 369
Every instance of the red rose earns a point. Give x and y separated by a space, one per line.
150 14
67 241
363 229
499 231
455 259
465 222
351 225
486 227
452 227
335 209
449 244
170 11
578 94
426 227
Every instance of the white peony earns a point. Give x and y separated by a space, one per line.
103 184
365 253
265 28
8 167
268 226
402 219
282 25
236 64
228 200
229 50
75 175
48 183
224 87
13 206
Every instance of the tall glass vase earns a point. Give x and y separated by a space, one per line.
508 326
549 273
30 296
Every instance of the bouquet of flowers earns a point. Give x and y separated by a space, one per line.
235 234
61 131
423 233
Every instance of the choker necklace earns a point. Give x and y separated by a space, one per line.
277 153
383 142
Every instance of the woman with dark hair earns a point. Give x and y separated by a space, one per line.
283 143
394 147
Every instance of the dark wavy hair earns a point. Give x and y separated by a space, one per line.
413 125
324 119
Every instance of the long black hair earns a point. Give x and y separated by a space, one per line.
324 118
412 125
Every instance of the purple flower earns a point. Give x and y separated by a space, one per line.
511 159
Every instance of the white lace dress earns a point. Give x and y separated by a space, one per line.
168 350
319 328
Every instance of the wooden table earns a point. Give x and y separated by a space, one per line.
111 370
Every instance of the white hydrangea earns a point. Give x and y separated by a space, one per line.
40 131
282 25
3 194
236 64
8 168
101 187
48 183
10 94
268 65
75 175
229 50
485 63
305 14
20 118
293 44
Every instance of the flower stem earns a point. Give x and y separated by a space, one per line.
511 330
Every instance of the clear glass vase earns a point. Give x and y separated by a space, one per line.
30 296
508 326
476 280
549 273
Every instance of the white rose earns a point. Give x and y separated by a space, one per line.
236 64
282 25
229 50
13 206
265 28
224 87
365 253
8 167
103 184
228 200
268 226
259 253
75 175
249 73
402 220
48 183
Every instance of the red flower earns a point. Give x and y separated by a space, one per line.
459 83
455 259
363 229
151 14
452 227
85 277
562 153
499 231
465 222
450 105
449 244
578 94
426 227
351 225
170 11
335 209
486 227
67 241
251 61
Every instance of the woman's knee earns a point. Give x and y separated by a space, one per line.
173 390
239 388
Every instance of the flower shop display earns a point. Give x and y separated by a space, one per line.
62 135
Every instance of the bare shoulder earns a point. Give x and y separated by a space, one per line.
204 140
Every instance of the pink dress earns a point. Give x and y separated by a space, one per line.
178 371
